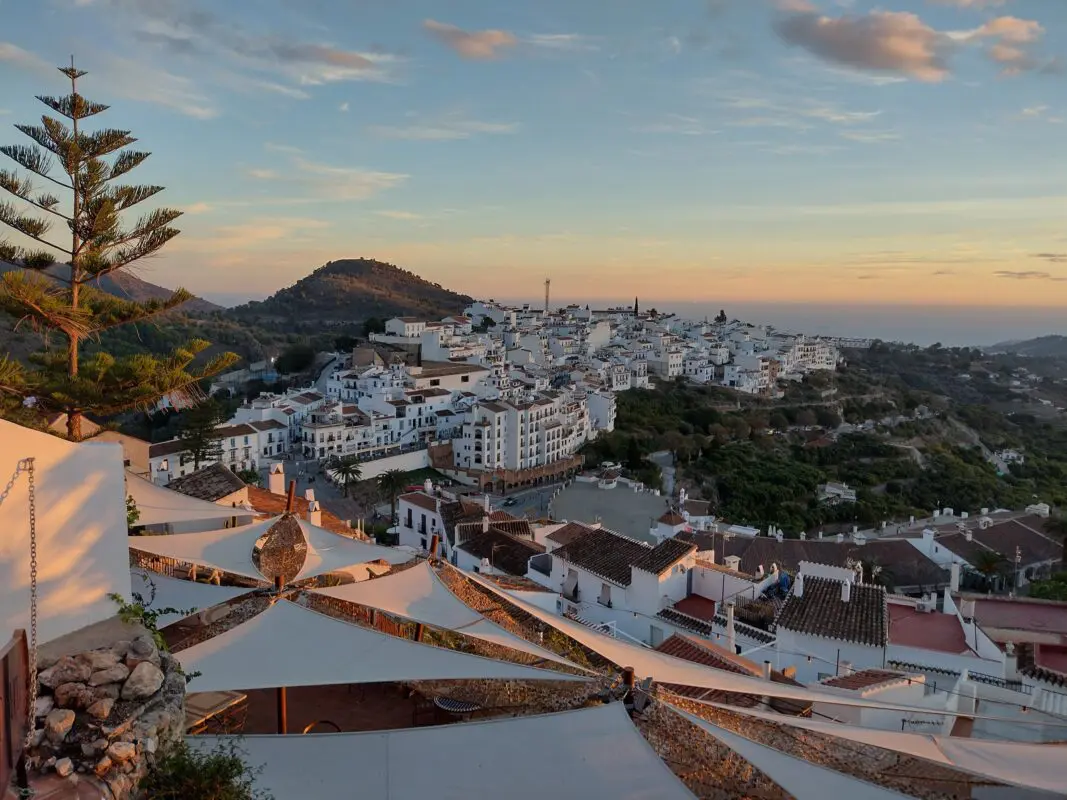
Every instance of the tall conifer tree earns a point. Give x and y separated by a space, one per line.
67 303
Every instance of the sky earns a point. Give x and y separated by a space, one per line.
771 151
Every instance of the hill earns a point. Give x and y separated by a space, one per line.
1052 346
349 291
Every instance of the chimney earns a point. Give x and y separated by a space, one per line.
968 535
427 486
954 580
276 479
844 668
759 572
846 591
315 513
767 670
779 535
803 536
485 524
309 495
485 504
840 538
798 585
1011 662
731 633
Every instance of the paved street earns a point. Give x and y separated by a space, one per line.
309 476
532 503
665 460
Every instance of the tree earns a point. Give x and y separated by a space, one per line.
1055 588
347 470
250 476
991 565
391 483
198 433
373 325
806 417
297 358
635 307
721 317
68 303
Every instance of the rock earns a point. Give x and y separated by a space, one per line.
42 705
66 670
74 695
150 745
142 649
143 682
100 745
103 766
88 750
58 724
121 751
116 673
64 767
101 709
121 648
37 737
129 767
100 659
111 690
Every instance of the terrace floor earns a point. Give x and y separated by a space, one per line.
620 509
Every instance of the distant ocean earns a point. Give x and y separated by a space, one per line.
952 326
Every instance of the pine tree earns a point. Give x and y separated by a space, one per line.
65 303
635 306
198 435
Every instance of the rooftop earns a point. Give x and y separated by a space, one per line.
505 552
209 483
821 612
864 679
941 633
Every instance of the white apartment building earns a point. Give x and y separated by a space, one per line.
242 446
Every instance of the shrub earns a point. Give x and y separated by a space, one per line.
185 773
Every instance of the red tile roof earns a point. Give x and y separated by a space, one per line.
697 606
941 633
864 679
672 517
420 499
268 503
822 612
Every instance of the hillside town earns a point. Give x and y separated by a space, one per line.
514 392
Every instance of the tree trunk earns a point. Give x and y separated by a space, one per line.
74 422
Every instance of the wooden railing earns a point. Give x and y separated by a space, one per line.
15 695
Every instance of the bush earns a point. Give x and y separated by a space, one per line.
183 773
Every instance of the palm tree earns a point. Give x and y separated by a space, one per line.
347 470
391 483
990 565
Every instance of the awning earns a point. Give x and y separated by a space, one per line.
800 778
1034 766
164 592
573 755
289 645
230 549
419 595
159 506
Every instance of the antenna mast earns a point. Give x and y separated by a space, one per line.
548 284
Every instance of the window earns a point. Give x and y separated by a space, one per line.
465 379
407 522
435 382
605 595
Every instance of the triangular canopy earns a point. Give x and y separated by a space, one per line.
159 506
230 549
670 670
289 645
419 595
573 755
1035 766
164 592
801 779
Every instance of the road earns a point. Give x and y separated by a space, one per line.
665 460
324 376
532 503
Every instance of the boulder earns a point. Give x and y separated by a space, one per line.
74 695
121 751
43 704
143 682
142 649
111 690
64 767
58 724
103 766
116 673
66 670
99 659
101 709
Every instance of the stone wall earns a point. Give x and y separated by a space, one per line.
102 714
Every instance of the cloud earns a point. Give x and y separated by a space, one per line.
1027 275
311 182
870 137
185 28
258 232
969 3
343 108
562 42
1011 44
474 45
197 208
1052 258
402 215
676 124
23 59
263 174
881 41
1040 113
447 128
757 105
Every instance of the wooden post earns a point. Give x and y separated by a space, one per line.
628 682
434 541
418 631
278 585
291 499
283 711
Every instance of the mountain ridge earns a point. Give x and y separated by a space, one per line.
1052 345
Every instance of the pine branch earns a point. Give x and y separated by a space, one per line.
51 134
107 311
126 161
149 224
28 226
34 260
38 301
101 143
128 196
22 188
124 256
12 376
32 159
73 106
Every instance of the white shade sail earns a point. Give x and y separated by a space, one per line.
1034 766
230 549
668 669
573 755
174 593
159 506
289 645
419 595
802 779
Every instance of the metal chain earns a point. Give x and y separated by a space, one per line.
33 601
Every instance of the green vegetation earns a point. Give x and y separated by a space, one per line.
296 358
347 471
198 434
250 476
185 773
66 305
391 483
1055 588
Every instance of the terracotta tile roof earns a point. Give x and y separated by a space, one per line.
683 620
605 553
821 612
504 552
268 425
864 679
168 448
420 499
209 483
568 533
698 508
970 551
664 556
1033 545
698 606
913 628
513 527
1019 614
268 503
672 517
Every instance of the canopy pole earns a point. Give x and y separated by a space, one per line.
291 499
418 631
434 541
283 711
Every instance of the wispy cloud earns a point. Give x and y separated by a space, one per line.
1011 44
754 104
1052 258
970 3
1040 113
444 128
253 234
310 181
343 108
197 208
1027 275
870 137
399 215
475 45
563 42
676 124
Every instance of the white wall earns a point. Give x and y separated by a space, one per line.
82 551
792 649
416 459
